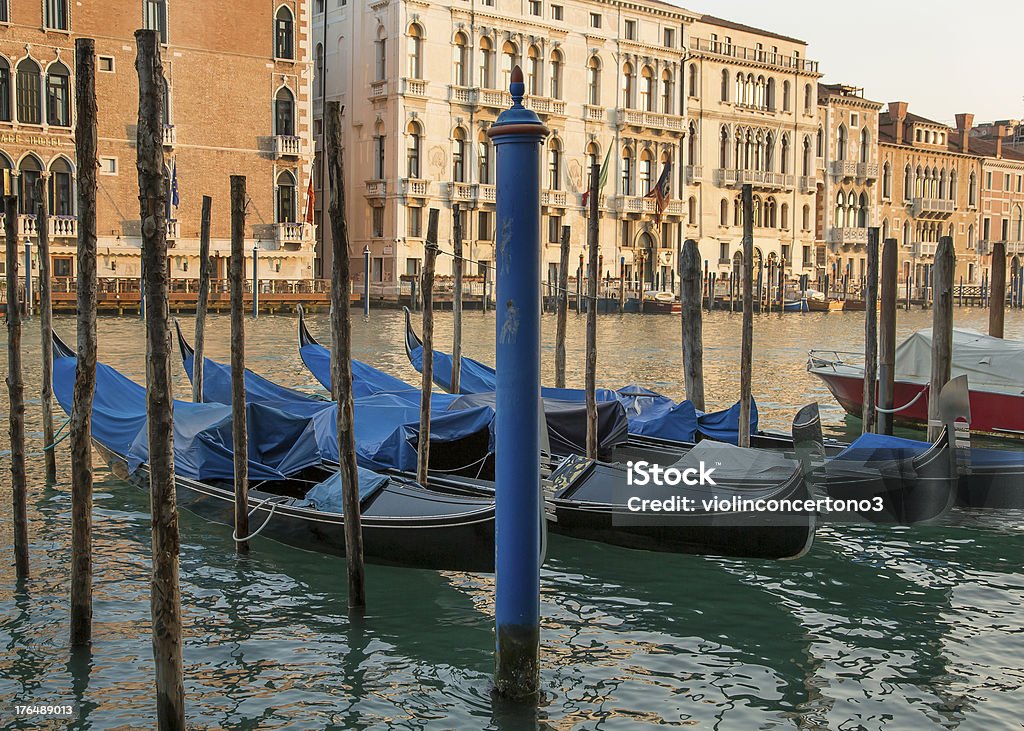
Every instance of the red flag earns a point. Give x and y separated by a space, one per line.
310 201
660 191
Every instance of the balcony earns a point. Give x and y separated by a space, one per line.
843 168
414 87
376 188
635 204
414 187
923 248
486 193
1014 248
26 225
808 183
292 234
378 89
931 208
693 174
867 171
494 98
754 55
286 146
170 135
172 229
462 192
463 95
556 198
727 177
845 236
649 120
545 105
593 113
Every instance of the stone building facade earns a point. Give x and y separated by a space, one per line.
238 103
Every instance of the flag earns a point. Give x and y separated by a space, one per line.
174 184
310 201
660 191
601 180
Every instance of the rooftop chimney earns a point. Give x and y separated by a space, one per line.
898 116
964 122
1002 131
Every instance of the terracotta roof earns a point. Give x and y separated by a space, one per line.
986 147
884 118
723 23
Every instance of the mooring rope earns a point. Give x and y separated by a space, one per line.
905 406
280 500
56 440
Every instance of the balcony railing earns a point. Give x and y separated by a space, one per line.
693 173
635 204
649 120
172 228
1015 247
376 188
170 135
756 55
843 168
487 193
415 187
463 94
923 248
287 146
414 87
462 192
846 235
758 178
293 233
378 89
501 99
867 171
555 198
808 183
931 208
593 113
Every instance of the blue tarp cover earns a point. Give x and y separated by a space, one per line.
366 380
880 447
327 496
723 426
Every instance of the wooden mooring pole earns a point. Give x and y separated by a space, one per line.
593 273
693 329
341 365
456 298
426 384
887 335
942 330
45 328
86 149
870 293
16 392
562 309
239 427
202 301
997 302
747 332
165 599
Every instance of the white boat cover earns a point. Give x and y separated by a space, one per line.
990 364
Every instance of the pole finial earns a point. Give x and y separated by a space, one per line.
516 86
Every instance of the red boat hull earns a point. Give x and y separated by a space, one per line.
991 413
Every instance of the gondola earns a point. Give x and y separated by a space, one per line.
403 523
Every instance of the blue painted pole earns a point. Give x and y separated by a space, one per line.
366 281
255 282
518 135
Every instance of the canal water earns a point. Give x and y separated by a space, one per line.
876 628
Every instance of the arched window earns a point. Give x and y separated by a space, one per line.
758 220
784 157
555 74
415 69
885 229
886 180
723 218
786 101
29 171
906 232
460 62
554 164
862 210
666 91
594 80
723 149
534 80
865 145
737 212
692 145
509 59
486 63
908 183
725 85
741 89
627 85
647 89
58 105
60 188
380 147
593 158
819 143
318 70
840 208
919 182
646 172
972 190
952 185
808 99
691 210
769 100
284 35
413 151
286 208
29 102
769 152
56 16
459 155
806 163
806 218
694 80
1018 217
942 184
760 99
5 91
627 172
483 158
841 143
284 112
851 210
784 217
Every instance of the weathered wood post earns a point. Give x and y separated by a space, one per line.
429 261
456 298
693 329
562 309
45 327
622 283
86 149
870 293
485 302
166 591
593 274
942 330
16 392
997 304
366 280
747 332
341 365
887 336
202 301
518 135
239 427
